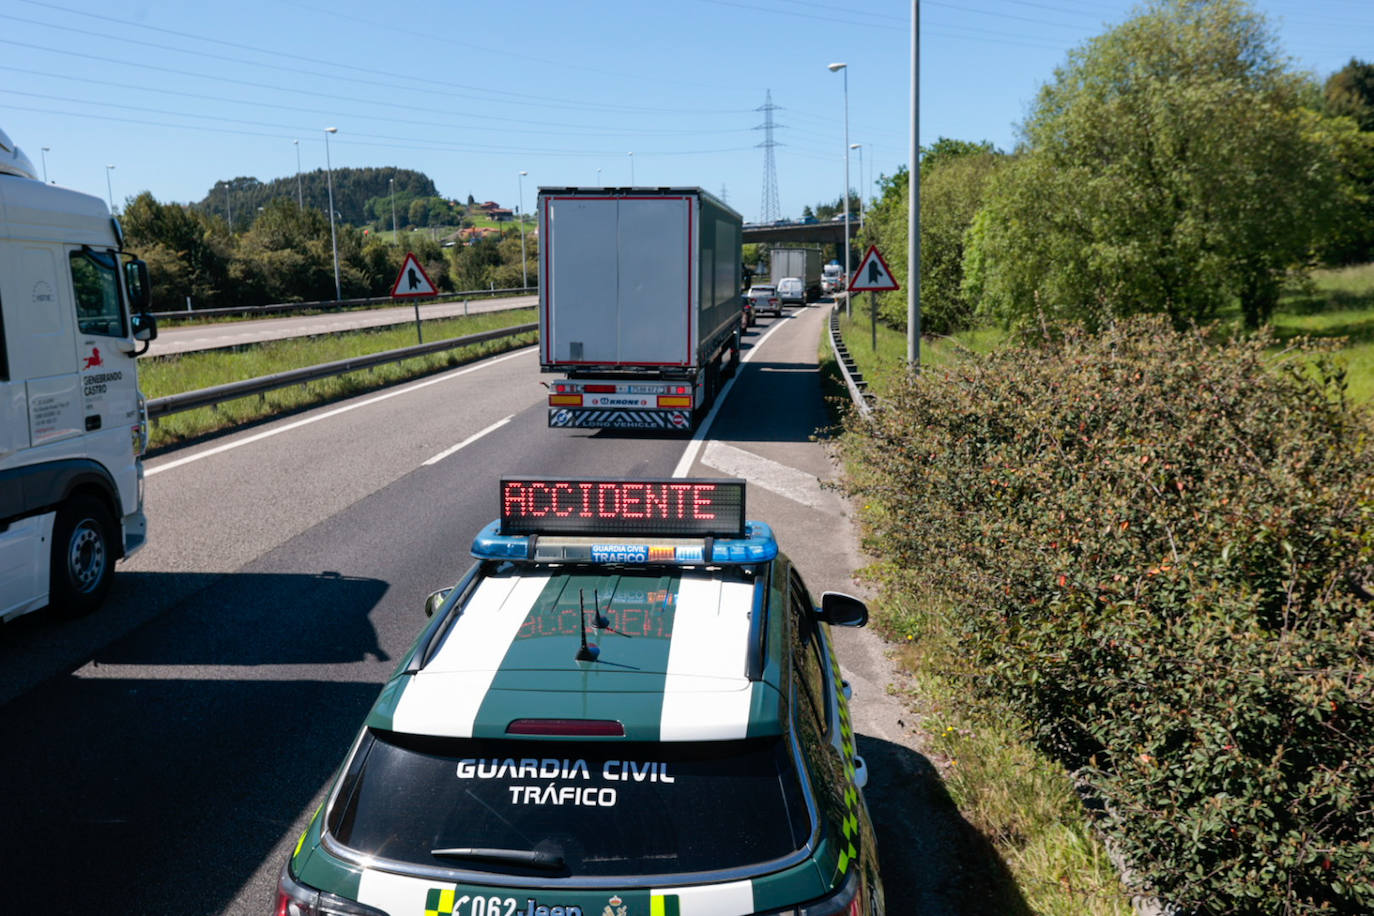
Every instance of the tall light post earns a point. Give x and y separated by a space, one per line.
632 169
913 250
228 207
395 239
333 236
860 148
300 196
109 189
832 68
45 163
598 178
520 206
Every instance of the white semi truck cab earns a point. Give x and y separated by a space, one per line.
73 423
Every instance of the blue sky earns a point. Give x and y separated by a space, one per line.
177 96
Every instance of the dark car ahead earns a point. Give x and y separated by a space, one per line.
630 705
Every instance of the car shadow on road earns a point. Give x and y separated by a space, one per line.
933 861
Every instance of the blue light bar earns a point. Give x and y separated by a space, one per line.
757 547
490 544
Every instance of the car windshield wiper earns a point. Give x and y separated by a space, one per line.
531 858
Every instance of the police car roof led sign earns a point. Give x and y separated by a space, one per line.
648 508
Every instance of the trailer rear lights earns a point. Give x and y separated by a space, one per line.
565 400
562 388
673 400
599 389
680 389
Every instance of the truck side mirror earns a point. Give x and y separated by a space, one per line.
140 289
144 326
841 610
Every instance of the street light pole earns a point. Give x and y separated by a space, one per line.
598 178
333 236
632 170
913 250
845 68
108 187
229 208
860 148
300 195
395 239
45 163
520 206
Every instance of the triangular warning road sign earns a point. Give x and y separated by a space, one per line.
872 274
412 281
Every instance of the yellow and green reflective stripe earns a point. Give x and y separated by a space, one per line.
439 901
665 905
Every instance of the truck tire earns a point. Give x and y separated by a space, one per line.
83 556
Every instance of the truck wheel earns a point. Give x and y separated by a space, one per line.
83 556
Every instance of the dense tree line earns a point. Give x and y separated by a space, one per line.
1175 165
361 196
286 255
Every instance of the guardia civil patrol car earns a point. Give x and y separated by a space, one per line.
629 706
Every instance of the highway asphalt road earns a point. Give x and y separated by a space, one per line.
163 755
211 336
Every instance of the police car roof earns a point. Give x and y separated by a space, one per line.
672 655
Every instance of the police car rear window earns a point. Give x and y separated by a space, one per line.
606 809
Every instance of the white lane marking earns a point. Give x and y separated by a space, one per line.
684 464
469 440
229 446
782 479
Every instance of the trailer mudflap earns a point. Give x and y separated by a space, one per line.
595 418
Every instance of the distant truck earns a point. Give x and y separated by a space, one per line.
802 263
639 304
832 277
73 423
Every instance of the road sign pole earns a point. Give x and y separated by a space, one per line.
873 315
419 334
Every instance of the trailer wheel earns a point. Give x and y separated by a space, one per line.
83 556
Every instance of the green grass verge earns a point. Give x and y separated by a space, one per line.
183 372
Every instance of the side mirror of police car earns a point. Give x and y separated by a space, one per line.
841 610
435 601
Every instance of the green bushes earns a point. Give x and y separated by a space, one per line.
1149 548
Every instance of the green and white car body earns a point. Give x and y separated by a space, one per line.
614 736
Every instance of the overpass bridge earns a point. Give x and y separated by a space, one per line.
829 231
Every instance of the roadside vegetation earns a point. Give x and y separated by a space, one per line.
277 250
180 373
1120 521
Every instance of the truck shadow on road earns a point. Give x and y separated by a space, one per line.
933 861
182 755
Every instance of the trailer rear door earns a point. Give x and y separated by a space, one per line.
619 288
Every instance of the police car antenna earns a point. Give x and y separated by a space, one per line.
586 653
602 621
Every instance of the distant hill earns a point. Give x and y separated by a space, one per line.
353 188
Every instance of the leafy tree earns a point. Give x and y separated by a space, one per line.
286 256
1349 92
187 252
945 149
807 211
1170 167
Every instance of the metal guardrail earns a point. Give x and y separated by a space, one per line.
853 378
206 397
332 305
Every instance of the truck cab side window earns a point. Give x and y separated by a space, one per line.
95 282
